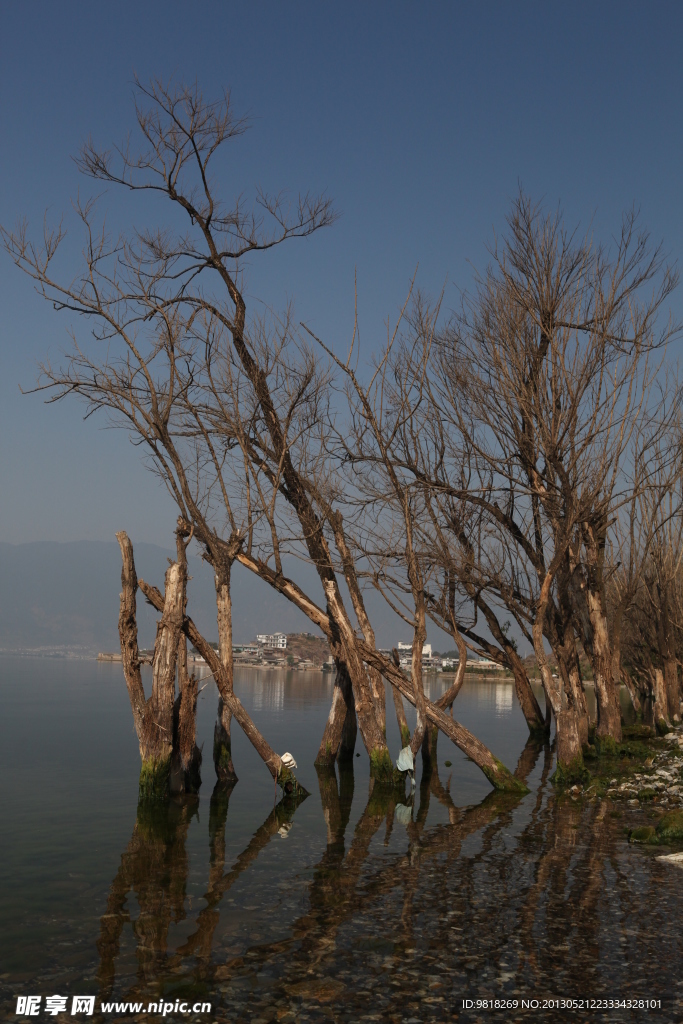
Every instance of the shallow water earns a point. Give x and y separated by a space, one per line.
342 908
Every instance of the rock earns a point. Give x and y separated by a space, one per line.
672 858
322 989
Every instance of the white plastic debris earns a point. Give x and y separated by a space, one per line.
288 761
404 761
403 814
283 830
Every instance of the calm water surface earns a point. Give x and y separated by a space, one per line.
342 908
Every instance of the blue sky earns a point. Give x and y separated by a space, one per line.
419 120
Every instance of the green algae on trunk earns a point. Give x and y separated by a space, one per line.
155 779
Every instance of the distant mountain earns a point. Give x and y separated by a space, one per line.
67 596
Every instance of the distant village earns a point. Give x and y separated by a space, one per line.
307 652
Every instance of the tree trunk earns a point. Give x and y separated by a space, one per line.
568 741
419 638
633 691
373 738
660 702
592 619
400 717
607 698
341 721
526 696
222 743
671 684
187 757
568 664
157 728
128 634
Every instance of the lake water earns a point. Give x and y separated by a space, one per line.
340 909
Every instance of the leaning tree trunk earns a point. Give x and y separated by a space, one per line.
496 772
445 701
526 696
222 743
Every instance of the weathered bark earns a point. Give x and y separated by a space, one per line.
157 729
525 695
419 638
568 740
660 703
587 596
607 699
672 688
272 760
187 757
340 729
340 633
348 647
636 699
128 634
401 719
568 664
222 743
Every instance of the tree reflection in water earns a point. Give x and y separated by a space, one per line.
511 898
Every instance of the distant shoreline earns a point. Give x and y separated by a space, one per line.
113 657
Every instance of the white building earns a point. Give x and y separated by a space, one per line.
408 648
273 640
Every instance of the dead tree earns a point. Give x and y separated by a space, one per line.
165 725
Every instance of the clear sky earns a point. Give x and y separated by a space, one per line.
419 120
